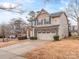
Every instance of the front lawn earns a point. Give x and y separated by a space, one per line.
65 49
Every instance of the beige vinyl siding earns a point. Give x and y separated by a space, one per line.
63 28
55 21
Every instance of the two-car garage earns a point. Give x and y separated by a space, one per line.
45 35
47 32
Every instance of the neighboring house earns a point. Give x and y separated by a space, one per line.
46 25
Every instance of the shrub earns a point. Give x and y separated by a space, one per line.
56 38
70 34
33 38
1 36
22 37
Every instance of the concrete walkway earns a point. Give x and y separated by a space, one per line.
8 55
18 49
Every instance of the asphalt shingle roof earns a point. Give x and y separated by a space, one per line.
56 14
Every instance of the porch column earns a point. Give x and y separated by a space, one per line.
33 32
28 33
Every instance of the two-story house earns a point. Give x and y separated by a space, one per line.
46 25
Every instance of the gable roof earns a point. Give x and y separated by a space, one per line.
57 14
42 12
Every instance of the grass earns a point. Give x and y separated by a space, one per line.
65 49
5 44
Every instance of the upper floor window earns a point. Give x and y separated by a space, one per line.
39 22
43 21
47 21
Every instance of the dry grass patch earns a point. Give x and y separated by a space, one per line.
73 38
65 49
5 44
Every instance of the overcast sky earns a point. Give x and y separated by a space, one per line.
28 5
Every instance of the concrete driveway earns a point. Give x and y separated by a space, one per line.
19 49
8 55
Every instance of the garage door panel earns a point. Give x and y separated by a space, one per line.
45 36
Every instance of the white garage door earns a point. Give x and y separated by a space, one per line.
45 36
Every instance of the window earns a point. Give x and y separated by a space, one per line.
39 32
46 21
43 32
48 32
39 22
55 20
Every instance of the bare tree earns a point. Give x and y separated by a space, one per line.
32 15
72 11
18 25
3 31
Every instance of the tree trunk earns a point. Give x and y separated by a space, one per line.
78 25
3 39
